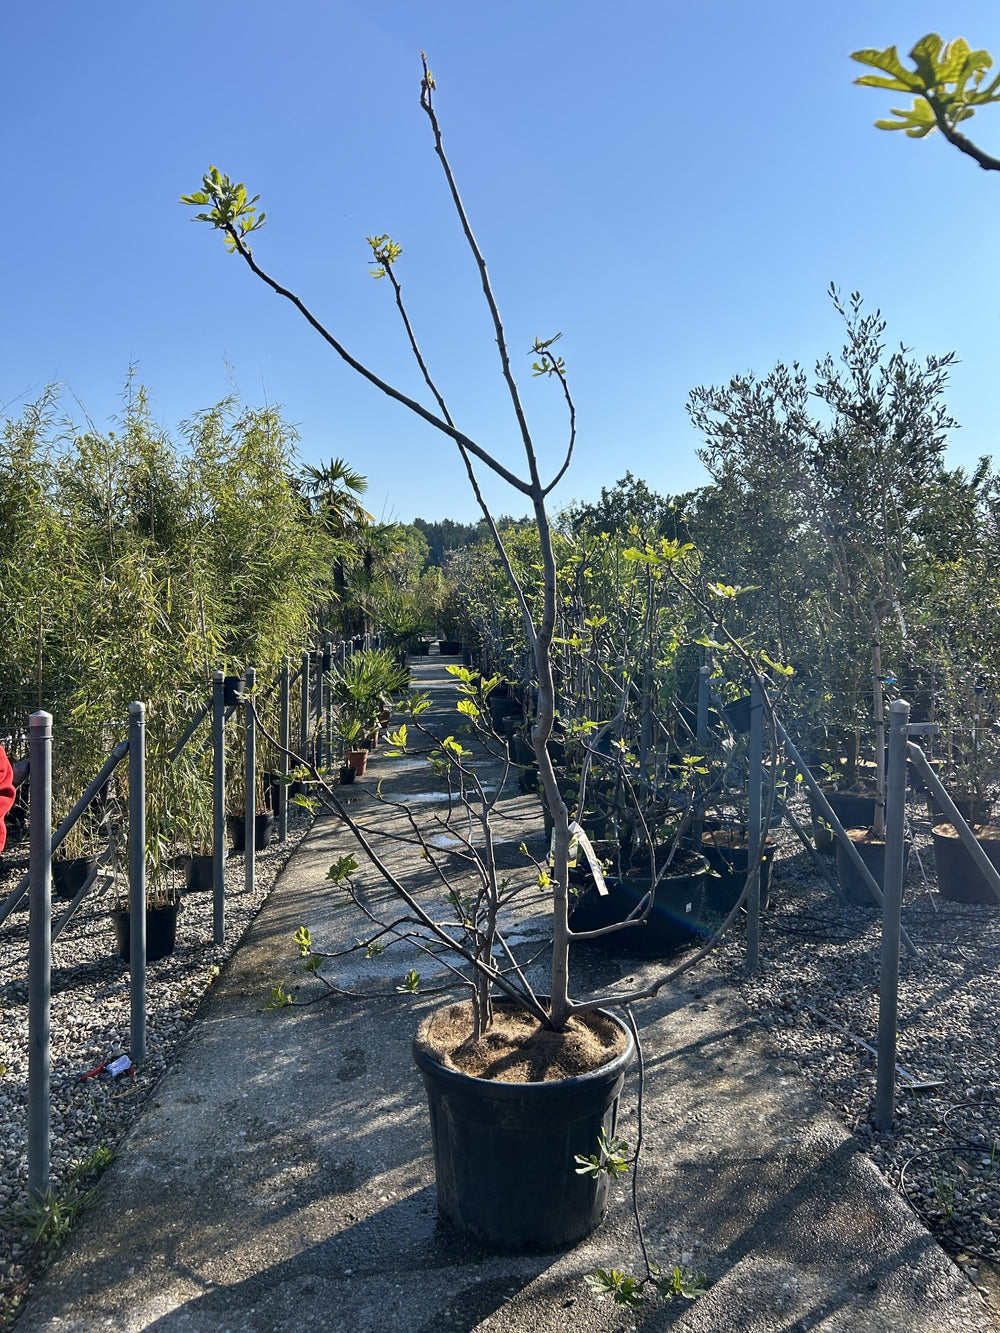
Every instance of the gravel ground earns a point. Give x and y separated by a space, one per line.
816 954
90 1021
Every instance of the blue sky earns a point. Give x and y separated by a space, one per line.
673 187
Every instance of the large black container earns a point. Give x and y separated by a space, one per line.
161 931
674 920
856 891
959 878
69 874
504 1152
729 858
263 827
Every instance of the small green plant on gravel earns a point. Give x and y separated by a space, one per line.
279 998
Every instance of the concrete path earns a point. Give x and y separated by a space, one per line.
281 1176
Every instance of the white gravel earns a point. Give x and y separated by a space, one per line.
90 1022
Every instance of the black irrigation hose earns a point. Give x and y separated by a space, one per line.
963 1146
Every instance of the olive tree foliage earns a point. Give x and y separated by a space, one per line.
948 83
831 492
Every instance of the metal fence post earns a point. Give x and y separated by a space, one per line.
39 951
218 809
304 709
326 712
250 784
754 833
892 906
286 742
137 877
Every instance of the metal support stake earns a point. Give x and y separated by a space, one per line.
755 775
304 702
250 785
892 906
137 877
285 747
39 951
218 809
326 710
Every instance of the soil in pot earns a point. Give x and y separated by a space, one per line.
263 827
673 921
872 852
728 856
161 931
69 874
959 878
506 1134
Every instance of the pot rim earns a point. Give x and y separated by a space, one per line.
550 1089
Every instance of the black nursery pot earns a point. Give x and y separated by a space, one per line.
263 825
504 1152
959 878
232 688
672 923
69 874
161 931
730 864
199 873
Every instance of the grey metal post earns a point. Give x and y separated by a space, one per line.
286 742
326 711
756 764
218 809
320 758
250 785
704 691
892 906
39 951
137 877
304 709
343 654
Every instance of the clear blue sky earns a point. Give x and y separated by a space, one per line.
672 186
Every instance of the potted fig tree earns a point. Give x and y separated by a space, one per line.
571 1052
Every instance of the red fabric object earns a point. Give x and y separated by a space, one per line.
6 793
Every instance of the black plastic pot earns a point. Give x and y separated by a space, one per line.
730 864
737 714
959 878
347 775
504 1152
856 891
673 922
449 647
161 931
199 873
853 809
973 811
263 827
69 874
232 688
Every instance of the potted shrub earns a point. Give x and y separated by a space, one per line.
570 1107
